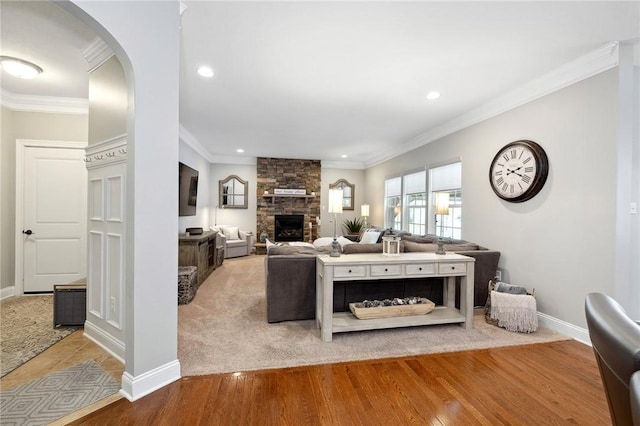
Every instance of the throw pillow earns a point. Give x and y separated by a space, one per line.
231 232
370 237
322 241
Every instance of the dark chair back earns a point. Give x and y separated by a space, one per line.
616 343
635 397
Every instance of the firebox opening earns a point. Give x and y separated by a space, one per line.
289 227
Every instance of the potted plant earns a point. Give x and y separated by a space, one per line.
266 190
353 226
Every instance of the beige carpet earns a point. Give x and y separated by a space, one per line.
27 330
224 329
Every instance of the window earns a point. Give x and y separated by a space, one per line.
445 193
415 200
406 203
393 203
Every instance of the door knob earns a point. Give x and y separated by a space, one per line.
28 232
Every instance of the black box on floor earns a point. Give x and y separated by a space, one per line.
69 305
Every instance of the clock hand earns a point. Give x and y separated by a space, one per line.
515 171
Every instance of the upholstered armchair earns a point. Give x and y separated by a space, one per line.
234 242
616 343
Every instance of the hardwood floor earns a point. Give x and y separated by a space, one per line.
544 384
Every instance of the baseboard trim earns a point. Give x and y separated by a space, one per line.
7 292
134 388
578 333
115 347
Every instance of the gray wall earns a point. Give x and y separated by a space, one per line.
26 125
562 241
329 176
245 219
107 102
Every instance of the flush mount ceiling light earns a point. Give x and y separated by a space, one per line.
19 67
344 156
205 71
239 150
433 95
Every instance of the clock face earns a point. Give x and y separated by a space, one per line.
518 171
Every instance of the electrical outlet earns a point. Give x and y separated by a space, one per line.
113 304
498 275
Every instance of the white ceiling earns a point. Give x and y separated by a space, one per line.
321 79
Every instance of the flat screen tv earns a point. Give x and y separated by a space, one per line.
188 190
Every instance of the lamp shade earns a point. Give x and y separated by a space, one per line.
335 201
442 203
364 210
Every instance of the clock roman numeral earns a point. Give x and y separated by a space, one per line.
526 179
528 169
505 186
506 157
499 173
513 153
526 160
500 181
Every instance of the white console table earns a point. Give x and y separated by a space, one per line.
376 266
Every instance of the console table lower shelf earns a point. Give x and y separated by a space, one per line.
355 267
346 321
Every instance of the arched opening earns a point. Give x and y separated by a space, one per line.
150 244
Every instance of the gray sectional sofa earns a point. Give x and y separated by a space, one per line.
291 277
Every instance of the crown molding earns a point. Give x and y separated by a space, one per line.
227 159
350 165
48 104
192 142
595 62
96 53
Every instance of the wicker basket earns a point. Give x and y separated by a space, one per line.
487 306
392 311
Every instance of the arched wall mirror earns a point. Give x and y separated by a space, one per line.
233 193
348 192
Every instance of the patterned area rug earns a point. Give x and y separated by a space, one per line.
42 401
27 330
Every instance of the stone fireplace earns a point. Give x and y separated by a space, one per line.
289 227
284 173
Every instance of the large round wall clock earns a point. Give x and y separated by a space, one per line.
518 171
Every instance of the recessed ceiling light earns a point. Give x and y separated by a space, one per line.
343 156
433 95
19 68
205 71
240 150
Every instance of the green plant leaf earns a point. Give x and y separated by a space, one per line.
353 226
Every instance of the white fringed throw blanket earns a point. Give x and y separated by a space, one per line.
515 312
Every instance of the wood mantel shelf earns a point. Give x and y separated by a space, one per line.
274 196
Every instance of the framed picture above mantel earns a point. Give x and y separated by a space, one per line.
348 192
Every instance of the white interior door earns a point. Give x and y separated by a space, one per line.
54 217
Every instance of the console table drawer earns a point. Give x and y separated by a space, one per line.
452 268
420 269
382 270
349 271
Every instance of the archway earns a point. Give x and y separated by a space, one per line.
145 38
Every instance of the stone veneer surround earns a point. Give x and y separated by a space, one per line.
288 174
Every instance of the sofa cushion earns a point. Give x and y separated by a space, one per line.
362 248
236 243
423 239
280 250
326 241
410 246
